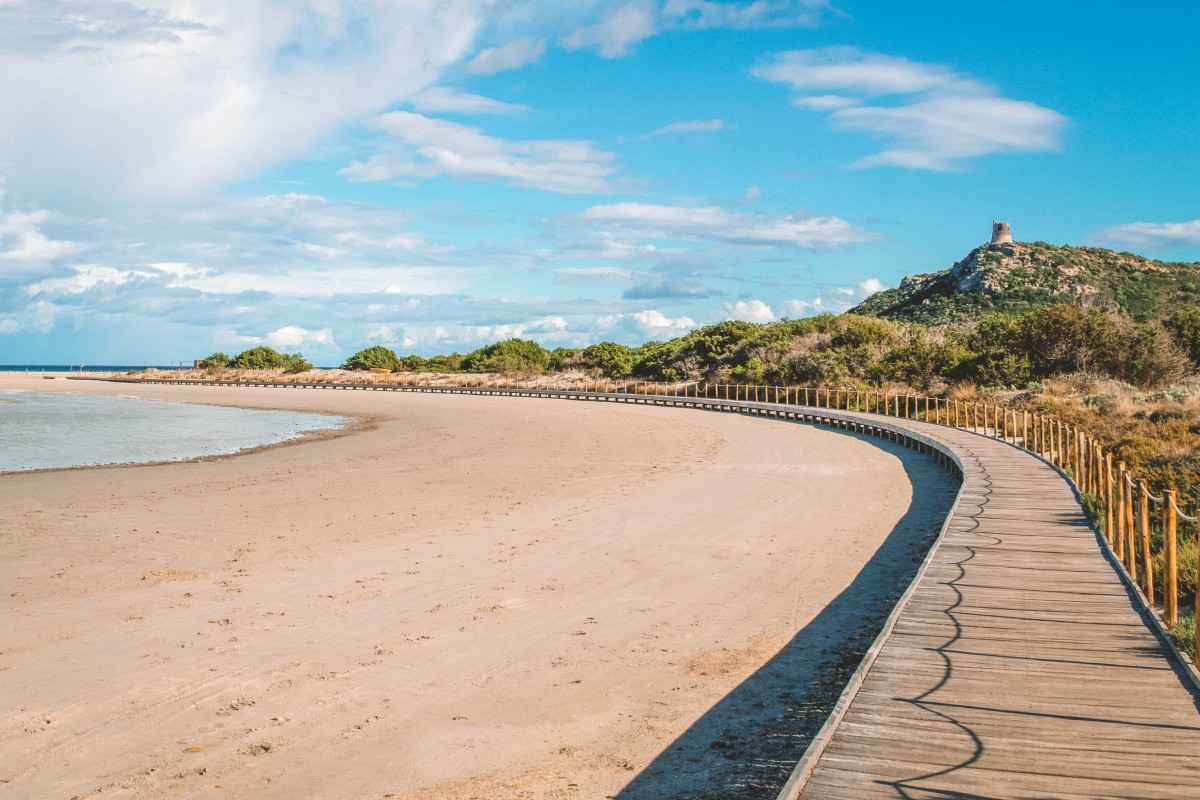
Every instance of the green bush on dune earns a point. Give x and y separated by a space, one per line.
264 357
217 361
511 355
377 357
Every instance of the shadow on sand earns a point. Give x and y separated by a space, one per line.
747 744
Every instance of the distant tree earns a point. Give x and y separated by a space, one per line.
295 362
657 360
610 359
559 357
441 364
215 362
261 357
511 355
376 357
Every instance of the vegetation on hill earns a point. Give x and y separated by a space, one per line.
1018 277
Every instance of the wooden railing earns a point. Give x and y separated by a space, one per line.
1128 516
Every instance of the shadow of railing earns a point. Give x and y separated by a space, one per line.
748 743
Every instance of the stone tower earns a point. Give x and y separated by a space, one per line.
1000 233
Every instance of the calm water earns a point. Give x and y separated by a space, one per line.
42 431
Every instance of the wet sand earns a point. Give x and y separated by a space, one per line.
463 597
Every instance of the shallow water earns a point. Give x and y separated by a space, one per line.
47 431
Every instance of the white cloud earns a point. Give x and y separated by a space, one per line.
510 55
447 99
21 238
859 72
749 311
536 328
389 335
1153 236
620 29
597 274
938 134
833 300
39 317
700 14
935 118
796 309
307 282
430 147
657 325
294 336
695 126
825 102
135 103
715 224
642 325
869 287
85 278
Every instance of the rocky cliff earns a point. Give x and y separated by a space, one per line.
1016 277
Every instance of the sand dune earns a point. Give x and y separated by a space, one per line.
468 597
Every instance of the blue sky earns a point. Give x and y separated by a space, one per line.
183 177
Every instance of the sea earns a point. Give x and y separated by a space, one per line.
49 431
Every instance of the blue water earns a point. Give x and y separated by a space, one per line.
48 431
76 367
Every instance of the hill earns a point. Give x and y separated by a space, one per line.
1018 277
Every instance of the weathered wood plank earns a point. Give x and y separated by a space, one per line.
1020 665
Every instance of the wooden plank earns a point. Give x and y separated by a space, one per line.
1020 666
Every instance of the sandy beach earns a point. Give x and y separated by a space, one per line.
460 598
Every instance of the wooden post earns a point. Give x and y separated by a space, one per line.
1108 497
1080 461
1171 573
1130 542
1120 510
1144 523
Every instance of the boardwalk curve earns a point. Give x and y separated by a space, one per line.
1019 664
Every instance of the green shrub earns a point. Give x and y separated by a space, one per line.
1183 634
261 357
376 357
295 362
561 356
610 359
217 361
439 364
511 355
1184 326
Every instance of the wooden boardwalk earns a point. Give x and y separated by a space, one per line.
1019 667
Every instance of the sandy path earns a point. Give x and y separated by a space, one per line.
479 597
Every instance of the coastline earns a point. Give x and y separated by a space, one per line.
354 423
471 597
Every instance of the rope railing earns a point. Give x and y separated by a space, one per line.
1141 530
